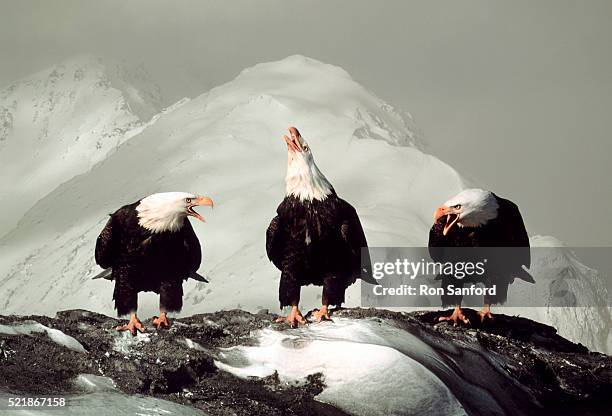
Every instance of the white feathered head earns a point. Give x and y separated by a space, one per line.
469 208
304 180
167 211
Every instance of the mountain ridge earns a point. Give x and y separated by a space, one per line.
58 122
227 143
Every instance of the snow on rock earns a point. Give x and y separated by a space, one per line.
228 144
102 398
193 345
366 361
127 344
59 122
32 327
392 383
92 382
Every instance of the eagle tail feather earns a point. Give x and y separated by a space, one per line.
525 275
198 277
104 274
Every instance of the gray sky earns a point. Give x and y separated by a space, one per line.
516 94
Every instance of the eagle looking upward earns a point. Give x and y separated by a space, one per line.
315 238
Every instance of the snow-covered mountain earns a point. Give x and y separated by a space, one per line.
227 144
576 296
59 122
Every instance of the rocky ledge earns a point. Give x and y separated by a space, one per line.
509 365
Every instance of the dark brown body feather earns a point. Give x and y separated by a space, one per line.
316 242
144 261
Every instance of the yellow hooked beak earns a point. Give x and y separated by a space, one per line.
196 202
293 143
452 216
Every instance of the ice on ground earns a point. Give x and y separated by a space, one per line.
55 335
193 345
392 383
92 382
106 403
103 399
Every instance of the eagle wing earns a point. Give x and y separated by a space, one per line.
516 232
193 249
516 236
353 235
106 245
274 241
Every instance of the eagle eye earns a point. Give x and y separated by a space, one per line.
188 200
306 148
458 206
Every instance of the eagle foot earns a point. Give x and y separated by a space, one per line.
132 326
485 313
321 314
162 321
456 317
294 318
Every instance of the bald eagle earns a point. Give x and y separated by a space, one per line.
150 246
479 218
315 238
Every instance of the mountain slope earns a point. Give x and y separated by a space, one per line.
574 297
61 121
228 144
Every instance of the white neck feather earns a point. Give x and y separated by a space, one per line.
157 213
305 181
